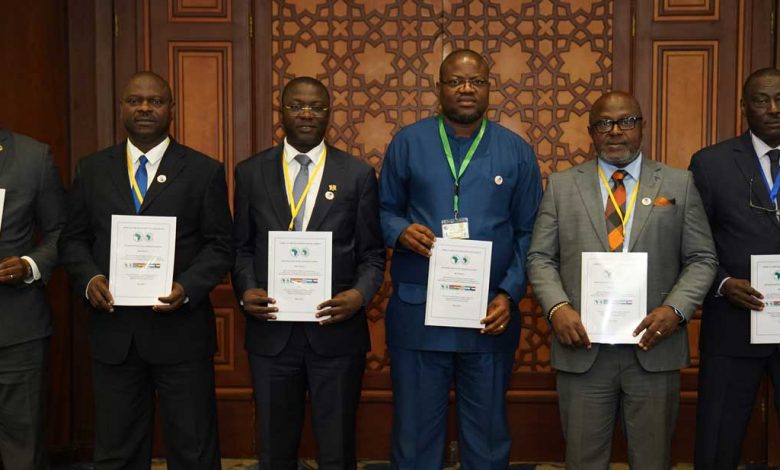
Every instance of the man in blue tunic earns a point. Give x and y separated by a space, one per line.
474 177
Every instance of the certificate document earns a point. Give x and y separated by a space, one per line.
299 273
614 296
765 278
142 255
458 283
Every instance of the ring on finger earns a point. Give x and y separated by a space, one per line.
659 333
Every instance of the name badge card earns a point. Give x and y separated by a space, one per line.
457 228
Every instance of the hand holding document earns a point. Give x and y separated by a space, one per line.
458 283
614 296
299 273
765 278
142 256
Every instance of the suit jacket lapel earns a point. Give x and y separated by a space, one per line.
273 177
332 176
117 169
589 187
170 166
650 179
7 148
747 161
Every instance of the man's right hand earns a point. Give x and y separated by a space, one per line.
99 295
739 293
568 328
417 238
257 304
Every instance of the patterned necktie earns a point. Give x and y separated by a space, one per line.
614 224
298 186
774 159
142 178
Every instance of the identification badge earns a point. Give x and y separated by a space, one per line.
455 228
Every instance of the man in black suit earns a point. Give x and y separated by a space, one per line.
325 358
33 201
734 178
166 348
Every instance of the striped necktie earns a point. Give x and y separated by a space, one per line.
142 178
614 224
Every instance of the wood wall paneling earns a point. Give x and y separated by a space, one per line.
199 11
686 10
684 105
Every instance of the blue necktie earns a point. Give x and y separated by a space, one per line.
142 179
298 186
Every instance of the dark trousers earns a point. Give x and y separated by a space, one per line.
23 372
727 393
124 401
421 387
280 386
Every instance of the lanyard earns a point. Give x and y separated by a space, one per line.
774 189
133 182
456 175
295 207
623 218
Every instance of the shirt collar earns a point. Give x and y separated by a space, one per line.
315 153
761 147
154 155
632 169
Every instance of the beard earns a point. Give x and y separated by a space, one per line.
463 118
620 160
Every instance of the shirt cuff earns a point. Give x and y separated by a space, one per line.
679 314
35 273
719 293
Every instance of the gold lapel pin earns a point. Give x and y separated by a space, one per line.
332 187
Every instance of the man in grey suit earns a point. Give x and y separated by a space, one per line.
31 201
647 207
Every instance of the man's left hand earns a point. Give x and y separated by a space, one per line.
13 270
172 301
498 313
341 307
659 324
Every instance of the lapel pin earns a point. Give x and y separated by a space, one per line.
1 148
162 179
499 180
329 195
646 201
332 187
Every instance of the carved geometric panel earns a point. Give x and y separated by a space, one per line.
686 10
201 77
684 112
224 358
200 11
550 60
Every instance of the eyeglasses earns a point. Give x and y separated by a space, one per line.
299 108
459 82
775 211
625 124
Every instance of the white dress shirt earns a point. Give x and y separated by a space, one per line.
315 154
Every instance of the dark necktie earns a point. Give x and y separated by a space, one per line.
298 186
774 159
614 224
142 178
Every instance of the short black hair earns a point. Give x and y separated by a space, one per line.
462 52
308 81
760 73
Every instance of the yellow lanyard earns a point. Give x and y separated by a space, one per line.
131 174
623 218
295 207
